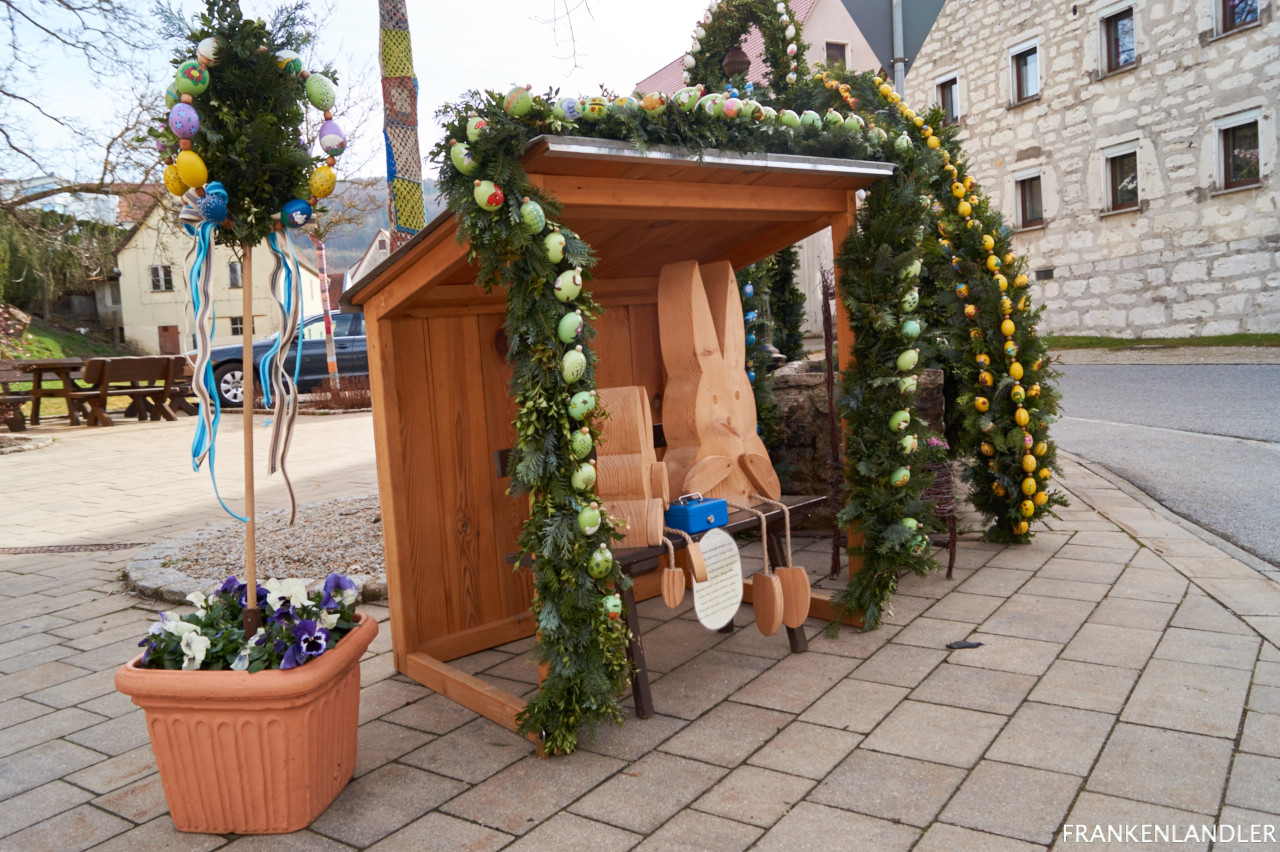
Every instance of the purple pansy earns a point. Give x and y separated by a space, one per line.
345 588
313 640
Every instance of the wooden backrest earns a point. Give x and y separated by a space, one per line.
10 373
94 370
155 369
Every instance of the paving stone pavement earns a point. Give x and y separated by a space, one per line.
1128 680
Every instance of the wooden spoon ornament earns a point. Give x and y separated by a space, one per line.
766 588
795 582
697 566
672 578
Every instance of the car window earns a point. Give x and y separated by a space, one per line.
314 330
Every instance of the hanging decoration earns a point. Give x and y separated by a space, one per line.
723 27
407 214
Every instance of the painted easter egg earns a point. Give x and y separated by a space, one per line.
910 329
612 605
584 477
878 135
488 194
183 121
322 182
833 119
985 378
332 140
192 169
295 213
460 156
1027 508
1018 394
554 244
900 477
172 180
687 98
566 109
290 63
570 327
1022 417
569 284
594 108
854 122
582 403
532 219
475 126
654 103
768 114
903 144
626 103
573 365
731 108
207 51
907 360
191 78
907 385
899 421
982 403
589 519
580 443
1010 349
911 300
518 101
712 104
909 443
600 562
213 207
321 92
982 359
809 118
171 95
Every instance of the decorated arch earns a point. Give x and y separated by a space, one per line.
927 278
725 27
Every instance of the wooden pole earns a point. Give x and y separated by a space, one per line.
252 615
841 224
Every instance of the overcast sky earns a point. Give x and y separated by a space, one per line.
457 45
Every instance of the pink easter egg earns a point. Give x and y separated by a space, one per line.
183 121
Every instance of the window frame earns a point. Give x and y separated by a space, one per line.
953 81
1110 187
1019 179
162 275
237 326
1017 96
1222 10
1224 126
1107 17
844 50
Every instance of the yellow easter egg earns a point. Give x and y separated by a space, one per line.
1021 417
172 181
1020 528
1029 486
1001 281
957 189
1029 463
1027 508
192 169
323 180
964 208
934 142
1015 371
987 242
1007 328
1040 448
1041 498
993 262
998 489
1045 473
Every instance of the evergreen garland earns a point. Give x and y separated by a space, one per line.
786 301
726 25
754 288
912 240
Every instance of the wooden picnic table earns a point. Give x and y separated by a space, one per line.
65 369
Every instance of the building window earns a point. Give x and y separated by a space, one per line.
1024 60
1030 208
1122 178
837 54
113 294
237 326
1238 13
234 269
162 279
949 99
1238 141
1117 32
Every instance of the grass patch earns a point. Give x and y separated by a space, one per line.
45 340
1067 341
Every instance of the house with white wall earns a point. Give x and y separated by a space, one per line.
147 303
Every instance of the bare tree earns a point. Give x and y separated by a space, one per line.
561 23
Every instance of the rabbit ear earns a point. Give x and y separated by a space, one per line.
689 336
726 312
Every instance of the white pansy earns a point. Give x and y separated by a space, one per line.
194 647
200 602
241 662
294 591
180 628
328 620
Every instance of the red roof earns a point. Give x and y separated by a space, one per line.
671 76
135 201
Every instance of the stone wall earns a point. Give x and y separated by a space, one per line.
1192 259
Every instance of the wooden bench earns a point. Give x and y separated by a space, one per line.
149 381
11 401
641 565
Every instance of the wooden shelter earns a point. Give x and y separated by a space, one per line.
439 378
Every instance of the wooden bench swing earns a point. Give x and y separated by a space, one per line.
443 417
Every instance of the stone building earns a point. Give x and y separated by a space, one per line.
1131 145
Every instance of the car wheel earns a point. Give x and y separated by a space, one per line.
228 382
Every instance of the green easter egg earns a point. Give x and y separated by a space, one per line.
809 118
907 385
712 104
910 329
581 404
584 477
854 122
475 126
321 92
532 219
768 114
903 144
518 102
589 520
573 365
612 606
600 562
687 98
788 118
899 420
911 300
919 545
570 327
911 524
580 443
909 443
594 108
832 119
569 285
878 135
191 79
912 270
907 360
554 244
460 156
487 194
900 477
171 96
626 103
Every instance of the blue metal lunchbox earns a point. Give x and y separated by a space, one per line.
694 514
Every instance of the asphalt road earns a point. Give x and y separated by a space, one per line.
1203 440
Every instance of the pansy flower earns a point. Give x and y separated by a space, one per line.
313 640
345 589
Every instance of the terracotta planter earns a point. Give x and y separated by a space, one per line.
261 753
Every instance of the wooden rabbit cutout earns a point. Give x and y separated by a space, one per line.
708 409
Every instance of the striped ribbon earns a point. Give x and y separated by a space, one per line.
280 390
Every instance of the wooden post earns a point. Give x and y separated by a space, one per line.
841 224
252 615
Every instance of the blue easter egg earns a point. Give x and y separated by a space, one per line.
748 291
751 340
213 208
295 213
751 316
751 376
